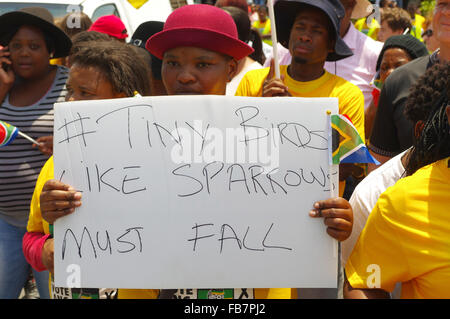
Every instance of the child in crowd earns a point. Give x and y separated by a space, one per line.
106 70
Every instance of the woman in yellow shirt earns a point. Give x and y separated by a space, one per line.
407 236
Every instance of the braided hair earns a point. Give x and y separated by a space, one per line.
428 101
117 62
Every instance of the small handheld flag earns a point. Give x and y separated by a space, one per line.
347 145
9 132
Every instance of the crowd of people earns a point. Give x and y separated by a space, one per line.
391 78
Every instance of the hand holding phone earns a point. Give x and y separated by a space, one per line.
6 73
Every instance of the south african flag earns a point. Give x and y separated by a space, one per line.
8 133
347 145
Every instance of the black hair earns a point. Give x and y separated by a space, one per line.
246 33
117 62
426 92
84 36
241 4
429 100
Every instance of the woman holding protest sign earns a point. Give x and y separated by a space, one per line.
107 70
201 64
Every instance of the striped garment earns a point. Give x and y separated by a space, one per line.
20 163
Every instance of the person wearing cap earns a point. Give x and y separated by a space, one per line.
310 29
392 133
397 51
358 68
112 26
139 38
29 87
199 46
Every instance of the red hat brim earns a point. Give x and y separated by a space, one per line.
165 40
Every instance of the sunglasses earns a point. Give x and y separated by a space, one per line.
427 33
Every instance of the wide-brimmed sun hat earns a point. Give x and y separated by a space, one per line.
199 25
40 18
287 10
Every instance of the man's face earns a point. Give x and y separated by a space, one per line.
441 22
309 41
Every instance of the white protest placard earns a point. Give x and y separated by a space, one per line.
195 192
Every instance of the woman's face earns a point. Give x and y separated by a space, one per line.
191 70
29 53
88 83
392 59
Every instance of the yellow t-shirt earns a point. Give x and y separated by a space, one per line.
351 99
37 224
264 28
407 237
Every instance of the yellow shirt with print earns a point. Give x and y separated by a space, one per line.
407 237
37 224
351 99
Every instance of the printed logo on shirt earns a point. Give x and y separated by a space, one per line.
83 293
239 293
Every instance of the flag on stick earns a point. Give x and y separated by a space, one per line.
273 35
347 145
9 132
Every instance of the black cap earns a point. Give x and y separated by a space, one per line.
287 10
407 42
143 32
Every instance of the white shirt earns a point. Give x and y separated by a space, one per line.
234 83
358 69
365 196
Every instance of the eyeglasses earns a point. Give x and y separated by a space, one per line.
427 33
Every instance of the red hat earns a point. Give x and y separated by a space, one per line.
110 25
199 25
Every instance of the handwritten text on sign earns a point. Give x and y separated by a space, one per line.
195 192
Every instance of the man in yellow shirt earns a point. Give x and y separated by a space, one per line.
310 30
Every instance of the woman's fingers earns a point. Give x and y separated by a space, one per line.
58 199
